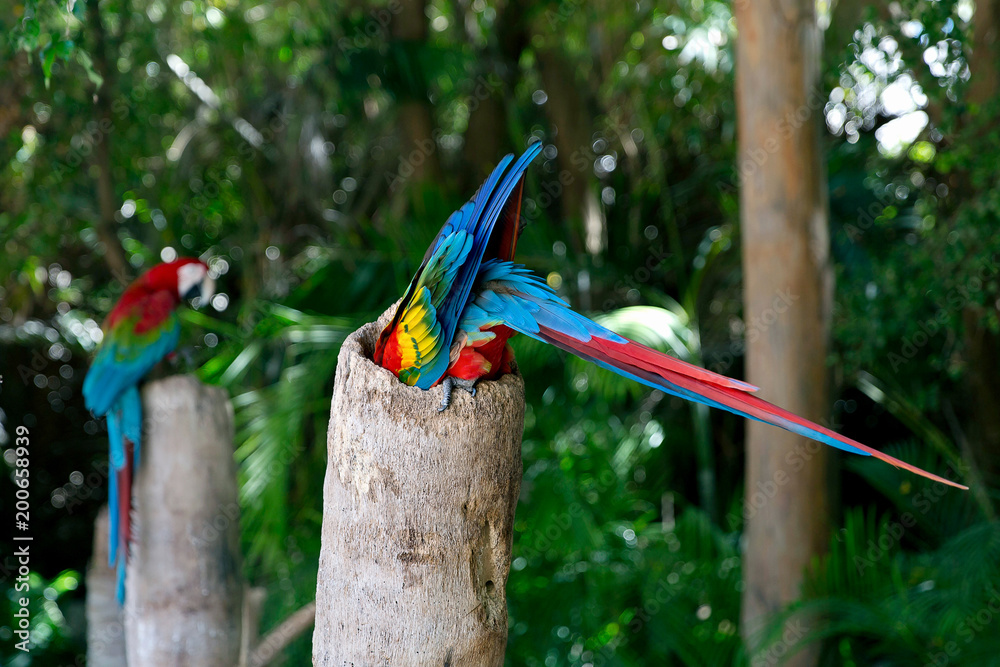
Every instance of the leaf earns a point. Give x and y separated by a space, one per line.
83 58
48 58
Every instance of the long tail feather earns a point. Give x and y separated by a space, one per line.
511 295
662 376
125 435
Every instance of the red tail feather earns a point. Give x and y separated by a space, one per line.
508 229
124 509
638 355
664 370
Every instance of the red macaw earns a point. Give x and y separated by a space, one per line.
467 299
142 329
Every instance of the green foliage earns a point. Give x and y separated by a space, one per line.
50 631
265 138
883 602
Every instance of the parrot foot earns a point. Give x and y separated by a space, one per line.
180 359
450 384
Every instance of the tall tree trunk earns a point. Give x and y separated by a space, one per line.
183 599
105 226
418 513
408 32
982 346
484 136
567 109
785 241
985 61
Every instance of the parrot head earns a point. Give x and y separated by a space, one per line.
187 278
194 280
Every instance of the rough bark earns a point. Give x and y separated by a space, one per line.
105 623
417 518
788 291
183 599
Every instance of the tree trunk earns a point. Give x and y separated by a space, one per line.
982 344
408 33
788 287
984 64
567 110
105 627
107 204
184 588
417 518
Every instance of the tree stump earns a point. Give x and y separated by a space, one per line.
105 624
417 519
184 587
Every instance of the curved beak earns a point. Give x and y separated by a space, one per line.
201 293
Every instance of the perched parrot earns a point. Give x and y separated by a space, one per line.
141 330
468 298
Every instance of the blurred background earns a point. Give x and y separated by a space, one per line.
309 152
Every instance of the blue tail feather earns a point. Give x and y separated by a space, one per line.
527 305
124 424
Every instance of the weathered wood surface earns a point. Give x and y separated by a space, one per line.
184 587
105 623
418 518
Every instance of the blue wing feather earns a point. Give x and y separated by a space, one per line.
479 222
120 364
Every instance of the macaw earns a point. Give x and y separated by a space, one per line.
141 330
468 299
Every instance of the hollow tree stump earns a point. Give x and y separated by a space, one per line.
183 594
417 519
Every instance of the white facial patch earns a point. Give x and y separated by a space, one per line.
207 290
190 276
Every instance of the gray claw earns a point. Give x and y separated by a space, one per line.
449 385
